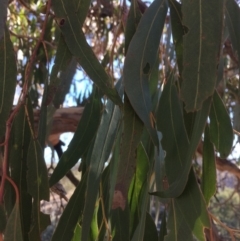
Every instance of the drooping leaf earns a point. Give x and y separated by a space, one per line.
178 31
132 131
3 218
201 47
8 71
71 214
189 214
77 233
3 16
37 177
232 14
170 123
178 186
66 77
100 153
133 20
150 232
79 48
83 136
120 224
40 221
139 62
13 231
221 132
20 140
135 201
208 168
62 59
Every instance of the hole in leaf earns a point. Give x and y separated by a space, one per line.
146 69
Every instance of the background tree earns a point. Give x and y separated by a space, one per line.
157 115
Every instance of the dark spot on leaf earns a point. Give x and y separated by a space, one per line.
61 22
146 69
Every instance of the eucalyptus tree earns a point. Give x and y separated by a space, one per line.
165 88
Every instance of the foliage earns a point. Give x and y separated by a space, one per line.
165 85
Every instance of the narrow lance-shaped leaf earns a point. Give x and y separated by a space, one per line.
208 167
132 131
232 14
178 30
136 200
201 46
221 132
170 123
37 177
3 218
71 214
100 153
189 214
82 138
78 46
178 186
62 59
66 77
20 140
37 185
139 62
8 71
13 230
3 16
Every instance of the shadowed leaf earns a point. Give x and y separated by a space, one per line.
8 71
140 59
79 48
13 230
201 46
83 136
208 168
221 132
100 153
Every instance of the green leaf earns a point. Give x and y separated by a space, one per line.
150 232
8 71
78 46
86 131
66 77
140 60
178 186
170 123
221 131
201 47
13 231
71 214
232 14
189 214
132 131
77 233
3 218
120 224
37 176
20 140
133 20
61 62
135 195
100 153
3 16
40 221
178 31
208 168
